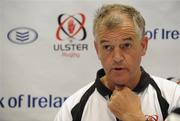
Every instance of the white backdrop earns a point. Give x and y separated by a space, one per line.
35 78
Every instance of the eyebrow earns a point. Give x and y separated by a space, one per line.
125 39
128 39
103 41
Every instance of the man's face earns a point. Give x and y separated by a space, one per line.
120 51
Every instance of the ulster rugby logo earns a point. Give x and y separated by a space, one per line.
71 27
70 35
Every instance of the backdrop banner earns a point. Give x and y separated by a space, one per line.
47 51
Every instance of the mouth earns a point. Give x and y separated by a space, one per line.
119 69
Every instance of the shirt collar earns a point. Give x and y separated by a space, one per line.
104 91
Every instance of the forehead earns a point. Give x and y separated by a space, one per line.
117 33
125 28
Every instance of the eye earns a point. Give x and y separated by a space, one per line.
126 45
108 47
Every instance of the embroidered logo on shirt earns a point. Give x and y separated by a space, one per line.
152 117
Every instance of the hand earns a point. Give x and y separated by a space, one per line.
125 105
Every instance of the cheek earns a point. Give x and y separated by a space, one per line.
106 60
134 59
101 54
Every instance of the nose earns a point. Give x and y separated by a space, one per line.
118 56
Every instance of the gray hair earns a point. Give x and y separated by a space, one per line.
105 16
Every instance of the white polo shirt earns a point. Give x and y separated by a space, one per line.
90 102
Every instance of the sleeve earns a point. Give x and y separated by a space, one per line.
64 114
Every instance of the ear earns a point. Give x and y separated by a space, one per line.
144 45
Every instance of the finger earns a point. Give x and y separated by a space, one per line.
117 90
114 92
119 87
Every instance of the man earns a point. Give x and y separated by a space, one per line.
122 89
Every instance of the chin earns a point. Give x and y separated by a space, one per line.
119 81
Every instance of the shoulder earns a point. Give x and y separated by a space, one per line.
75 98
64 113
164 83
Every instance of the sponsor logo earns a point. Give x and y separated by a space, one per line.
22 35
163 34
70 35
31 101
